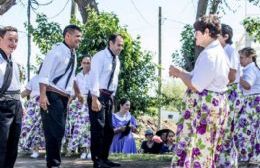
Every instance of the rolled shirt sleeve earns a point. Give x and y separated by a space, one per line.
249 76
48 63
203 73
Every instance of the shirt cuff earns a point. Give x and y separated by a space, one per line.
44 80
95 93
196 86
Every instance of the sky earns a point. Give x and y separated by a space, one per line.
140 17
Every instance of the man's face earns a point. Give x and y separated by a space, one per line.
73 38
117 46
8 43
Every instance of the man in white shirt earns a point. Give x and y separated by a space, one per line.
103 75
56 80
225 39
10 105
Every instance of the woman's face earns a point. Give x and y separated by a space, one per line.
244 60
164 136
125 107
202 39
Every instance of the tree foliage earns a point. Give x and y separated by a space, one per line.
137 70
252 26
186 56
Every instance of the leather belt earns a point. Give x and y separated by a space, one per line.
106 92
52 89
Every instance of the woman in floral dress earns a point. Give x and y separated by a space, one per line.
32 137
247 137
228 158
200 130
78 124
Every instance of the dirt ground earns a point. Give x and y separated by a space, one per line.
77 163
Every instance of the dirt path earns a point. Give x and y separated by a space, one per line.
77 163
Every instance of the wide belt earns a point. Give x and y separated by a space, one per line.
52 89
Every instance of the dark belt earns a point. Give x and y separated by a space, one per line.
52 89
106 92
10 95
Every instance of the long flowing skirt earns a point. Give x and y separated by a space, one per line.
200 129
77 126
228 157
32 136
247 133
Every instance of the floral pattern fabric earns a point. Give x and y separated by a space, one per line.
228 157
200 130
247 133
32 136
77 126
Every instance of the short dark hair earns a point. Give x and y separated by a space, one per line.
210 22
226 29
70 29
5 29
113 37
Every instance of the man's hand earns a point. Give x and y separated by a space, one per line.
96 105
44 102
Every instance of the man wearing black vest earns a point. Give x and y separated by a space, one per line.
103 75
10 105
56 80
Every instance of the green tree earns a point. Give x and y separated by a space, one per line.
137 75
186 57
252 26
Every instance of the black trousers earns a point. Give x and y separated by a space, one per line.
10 129
53 121
101 128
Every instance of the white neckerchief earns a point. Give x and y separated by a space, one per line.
126 117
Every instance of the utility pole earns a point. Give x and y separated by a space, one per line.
73 9
29 38
160 65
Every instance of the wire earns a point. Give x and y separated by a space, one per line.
138 11
175 21
60 10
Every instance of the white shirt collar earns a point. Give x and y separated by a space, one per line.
249 65
213 44
126 117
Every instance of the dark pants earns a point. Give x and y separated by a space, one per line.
101 128
53 122
10 129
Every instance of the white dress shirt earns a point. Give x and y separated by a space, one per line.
54 65
83 82
211 69
251 74
15 83
101 69
33 86
234 60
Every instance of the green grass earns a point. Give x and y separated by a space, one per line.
141 157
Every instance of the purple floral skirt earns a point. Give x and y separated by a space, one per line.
247 130
228 157
32 136
77 126
200 130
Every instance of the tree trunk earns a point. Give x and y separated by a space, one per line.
214 6
5 5
83 4
202 8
